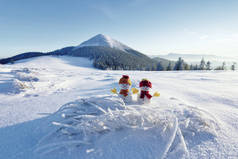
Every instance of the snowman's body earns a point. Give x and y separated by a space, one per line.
126 99
143 100
125 93
144 96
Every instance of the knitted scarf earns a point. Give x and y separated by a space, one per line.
124 92
145 93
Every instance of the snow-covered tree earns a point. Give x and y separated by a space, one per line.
169 67
179 64
223 66
233 66
186 67
159 67
195 67
208 65
202 64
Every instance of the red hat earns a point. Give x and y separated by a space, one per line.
145 83
125 80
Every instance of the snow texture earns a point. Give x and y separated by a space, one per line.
65 108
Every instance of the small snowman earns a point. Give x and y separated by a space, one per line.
144 96
124 84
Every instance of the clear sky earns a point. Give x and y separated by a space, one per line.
150 26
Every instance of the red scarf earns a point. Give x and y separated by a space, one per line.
124 92
145 93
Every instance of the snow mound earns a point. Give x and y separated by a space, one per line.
19 85
14 86
23 79
196 126
103 127
197 123
14 81
11 87
25 75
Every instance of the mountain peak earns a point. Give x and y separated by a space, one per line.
101 35
103 40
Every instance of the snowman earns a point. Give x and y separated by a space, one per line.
144 97
125 94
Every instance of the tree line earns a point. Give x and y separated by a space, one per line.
182 65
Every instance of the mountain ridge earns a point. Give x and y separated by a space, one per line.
105 52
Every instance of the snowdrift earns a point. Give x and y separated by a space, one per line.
104 127
17 80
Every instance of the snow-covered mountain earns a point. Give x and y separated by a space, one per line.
105 52
103 40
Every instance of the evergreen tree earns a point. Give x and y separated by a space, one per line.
219 68
153 68
159 67
169 67
202 64
195 67
179 64
187 67
223 66
208 65
233 66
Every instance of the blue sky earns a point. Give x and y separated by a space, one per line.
150 26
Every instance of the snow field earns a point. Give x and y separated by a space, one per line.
67 110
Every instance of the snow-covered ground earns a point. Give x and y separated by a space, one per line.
61 107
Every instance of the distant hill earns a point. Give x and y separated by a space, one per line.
105 52
21 56
175 56
196 58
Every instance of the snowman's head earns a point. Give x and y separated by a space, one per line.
145 88
145 85
124 86
125 82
